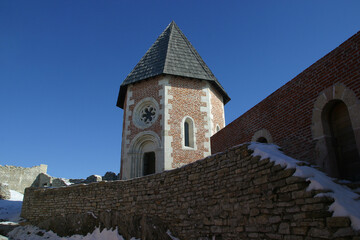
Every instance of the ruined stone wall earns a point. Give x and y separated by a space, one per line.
289 114
231 195
19 178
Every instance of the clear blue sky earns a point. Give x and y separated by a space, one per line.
62 62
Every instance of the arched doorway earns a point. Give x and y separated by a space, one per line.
149 161
342 140
145 156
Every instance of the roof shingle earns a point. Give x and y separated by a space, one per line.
171 54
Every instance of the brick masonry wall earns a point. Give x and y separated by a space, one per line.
177 97
186 101
231 195
141 90
287 113
217 110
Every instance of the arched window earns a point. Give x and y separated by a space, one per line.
262 140
341 140
188 133
217 128
262 136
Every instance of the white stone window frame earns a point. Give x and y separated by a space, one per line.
192 133
217 128
137 112
325 156
262 133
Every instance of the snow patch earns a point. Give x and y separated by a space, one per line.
170 235
345 203
92 214
34 233
10 209
16 196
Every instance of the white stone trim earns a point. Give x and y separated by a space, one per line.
325 155
336 92
194 132
136 116
262 133
217 128
126 132
135 153
223 112
208 117
165 107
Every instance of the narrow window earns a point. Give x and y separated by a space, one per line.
149 163
186 134
217 128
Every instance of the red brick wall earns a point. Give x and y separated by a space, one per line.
186 97
141 90
217 109
186 101
287 113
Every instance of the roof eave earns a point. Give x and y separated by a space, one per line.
123 89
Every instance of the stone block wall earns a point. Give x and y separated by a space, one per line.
19 178
231 195
291 115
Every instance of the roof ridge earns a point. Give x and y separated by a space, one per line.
195 54
173 54
170 26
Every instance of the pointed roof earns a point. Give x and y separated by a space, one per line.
172 54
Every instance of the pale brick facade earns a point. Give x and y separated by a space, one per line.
172 105
178 98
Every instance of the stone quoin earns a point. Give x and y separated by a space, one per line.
172 105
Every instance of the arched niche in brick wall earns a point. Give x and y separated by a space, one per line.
263 136
141 146
327 152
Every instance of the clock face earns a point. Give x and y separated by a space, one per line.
145 113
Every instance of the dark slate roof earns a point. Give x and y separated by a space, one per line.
171 54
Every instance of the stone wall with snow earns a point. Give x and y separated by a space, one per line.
231 195
19 178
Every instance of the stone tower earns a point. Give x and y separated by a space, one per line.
172 105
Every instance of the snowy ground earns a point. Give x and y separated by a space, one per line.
34 233
345 203
10 209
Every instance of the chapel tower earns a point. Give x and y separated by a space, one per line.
172 105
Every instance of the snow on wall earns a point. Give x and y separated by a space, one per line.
232 195
346 202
